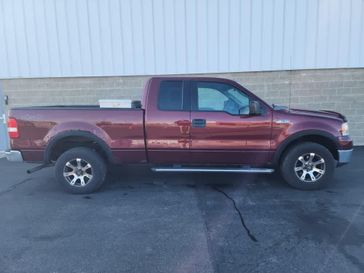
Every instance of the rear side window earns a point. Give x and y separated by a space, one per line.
171 96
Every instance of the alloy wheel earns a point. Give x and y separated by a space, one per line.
310 167
78 172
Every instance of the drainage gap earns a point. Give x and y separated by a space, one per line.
13 187
251 236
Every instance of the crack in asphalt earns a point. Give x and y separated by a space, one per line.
251 236
13 187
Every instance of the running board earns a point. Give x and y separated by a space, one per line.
212 170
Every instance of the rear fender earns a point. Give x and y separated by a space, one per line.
85 130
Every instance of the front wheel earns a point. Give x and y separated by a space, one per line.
80 170
308 166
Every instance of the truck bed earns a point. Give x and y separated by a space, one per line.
122 129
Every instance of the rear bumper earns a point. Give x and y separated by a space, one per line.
344 156
14 156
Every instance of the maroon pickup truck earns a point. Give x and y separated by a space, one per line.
182 125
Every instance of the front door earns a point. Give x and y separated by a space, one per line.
222 131
4 141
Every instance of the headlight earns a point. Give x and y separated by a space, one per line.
344 129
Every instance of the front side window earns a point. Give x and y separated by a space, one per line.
220 97
171 96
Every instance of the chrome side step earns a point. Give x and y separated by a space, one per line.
212 170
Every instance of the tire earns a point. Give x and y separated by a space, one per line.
80 170
312 158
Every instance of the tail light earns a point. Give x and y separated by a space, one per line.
13 128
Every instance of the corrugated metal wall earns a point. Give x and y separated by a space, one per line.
52 38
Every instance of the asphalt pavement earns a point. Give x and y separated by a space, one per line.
149 222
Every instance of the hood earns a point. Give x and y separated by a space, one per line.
319 114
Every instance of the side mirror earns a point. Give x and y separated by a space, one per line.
254 108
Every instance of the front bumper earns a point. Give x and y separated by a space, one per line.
14 156
344 156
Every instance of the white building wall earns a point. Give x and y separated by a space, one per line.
67 38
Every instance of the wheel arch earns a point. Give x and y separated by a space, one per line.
71 139
320 137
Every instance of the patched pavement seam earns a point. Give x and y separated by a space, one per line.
206 231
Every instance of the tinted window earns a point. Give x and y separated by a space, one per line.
171 95
220 97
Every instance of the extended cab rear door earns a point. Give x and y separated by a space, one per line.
222 131
168 121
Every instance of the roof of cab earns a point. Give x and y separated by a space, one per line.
191 78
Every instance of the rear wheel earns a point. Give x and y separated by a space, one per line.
80 170
308 166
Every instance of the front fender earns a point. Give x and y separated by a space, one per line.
303 134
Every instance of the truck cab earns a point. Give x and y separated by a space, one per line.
206 121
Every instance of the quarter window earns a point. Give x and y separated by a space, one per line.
171 96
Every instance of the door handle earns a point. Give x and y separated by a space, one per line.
199 123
